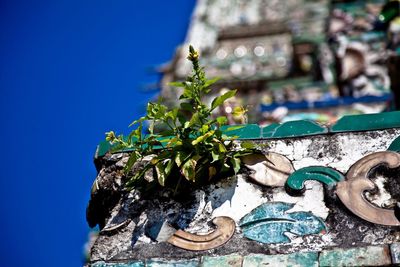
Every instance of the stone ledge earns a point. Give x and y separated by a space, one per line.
357 256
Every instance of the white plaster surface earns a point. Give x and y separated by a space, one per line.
312 200
339 151
247 196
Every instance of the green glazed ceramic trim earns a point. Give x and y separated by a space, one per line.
269 130
367 122
102 149
395 145
301 128
248 131
293 129
326 175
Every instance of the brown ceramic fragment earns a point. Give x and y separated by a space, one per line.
351 191
225 230
271 169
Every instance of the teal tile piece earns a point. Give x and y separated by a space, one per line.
119 264
233 260
367 122
293 129
105 147
269 222
246 131
269 130
172 263
306 259
102 149
395 145
361 256
326 175
395 252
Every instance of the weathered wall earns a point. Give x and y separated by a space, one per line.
126 235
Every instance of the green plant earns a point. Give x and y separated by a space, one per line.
194 150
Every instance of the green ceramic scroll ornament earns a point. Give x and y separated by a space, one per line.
295 183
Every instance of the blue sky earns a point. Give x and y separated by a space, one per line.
69 71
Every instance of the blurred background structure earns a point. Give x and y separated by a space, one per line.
295 59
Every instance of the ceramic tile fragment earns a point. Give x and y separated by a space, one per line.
270 169
293 128
328 176
270 223
222 234
247 131
307 259
351 191
119 264
361 256
395 252
395 145
172 263
233 260
367 122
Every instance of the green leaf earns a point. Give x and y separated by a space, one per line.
168 168
235 164
172 114
186 106
211 172
156 111
222 120
221 99
166 133
141 119
247 145
239 111
225 167
160 170
204 128
194 120
221 148
132 159
177 84
186 125
211 82
151 127
189 169
202 137
187 93
215 155
180 157
176 141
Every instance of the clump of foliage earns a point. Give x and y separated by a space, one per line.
194 150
